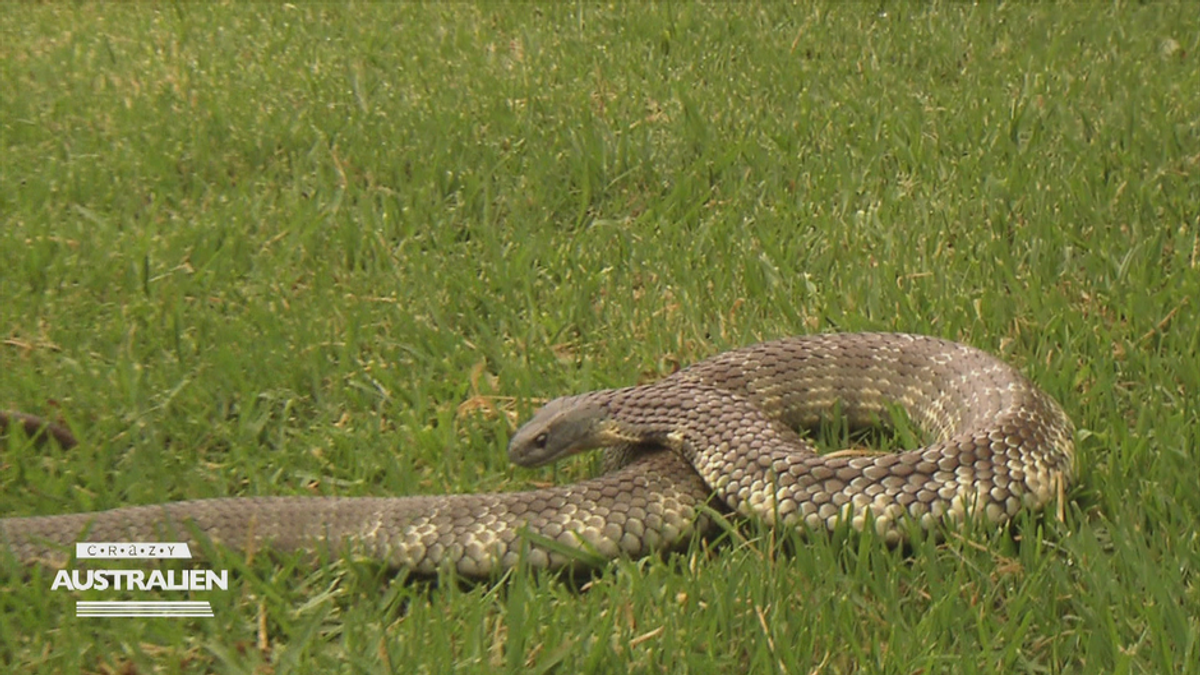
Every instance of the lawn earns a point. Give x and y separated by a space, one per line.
255 249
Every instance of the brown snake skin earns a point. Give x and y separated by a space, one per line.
999 444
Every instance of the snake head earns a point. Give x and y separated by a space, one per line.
560 429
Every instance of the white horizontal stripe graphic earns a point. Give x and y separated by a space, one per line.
136 608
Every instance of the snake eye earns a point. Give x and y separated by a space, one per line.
541 439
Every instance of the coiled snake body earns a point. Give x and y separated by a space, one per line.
723 429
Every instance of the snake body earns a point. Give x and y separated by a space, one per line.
723 431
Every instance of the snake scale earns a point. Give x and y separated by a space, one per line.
725 430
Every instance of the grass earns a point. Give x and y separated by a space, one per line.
316 249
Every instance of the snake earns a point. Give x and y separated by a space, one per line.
727 435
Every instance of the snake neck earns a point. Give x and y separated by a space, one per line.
709 426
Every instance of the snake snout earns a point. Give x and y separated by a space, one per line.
530 450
